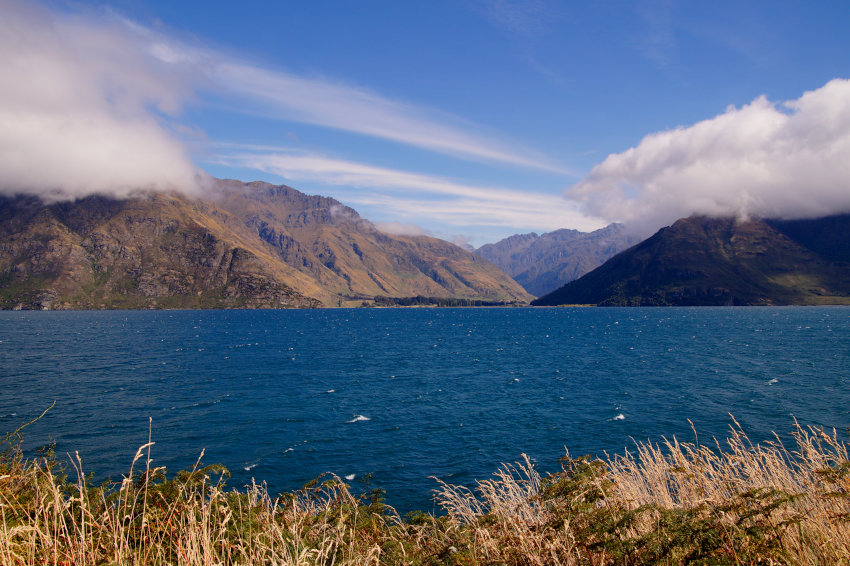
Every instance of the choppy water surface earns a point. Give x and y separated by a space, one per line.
404 394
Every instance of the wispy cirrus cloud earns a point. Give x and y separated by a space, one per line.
789 160
407 194
529 24
658 42
281 95
521 17
400 229
343 107
91 102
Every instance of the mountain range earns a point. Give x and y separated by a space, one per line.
257 245
243 245
542 263
724 261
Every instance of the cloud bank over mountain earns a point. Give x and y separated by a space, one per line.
91 102
84 110
788 160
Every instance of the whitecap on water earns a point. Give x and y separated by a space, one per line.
620 417
249 468
772 381
359 418
349 477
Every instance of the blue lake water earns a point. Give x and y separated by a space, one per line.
405 394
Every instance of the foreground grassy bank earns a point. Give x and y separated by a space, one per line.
673 503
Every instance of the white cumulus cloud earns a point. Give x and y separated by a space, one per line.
90 102
788 160
83 109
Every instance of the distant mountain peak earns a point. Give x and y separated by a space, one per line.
542 263
246 245
724 261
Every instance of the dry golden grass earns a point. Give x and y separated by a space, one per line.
815 474
668 503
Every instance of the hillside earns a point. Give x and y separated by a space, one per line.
246 245
542 263
706 261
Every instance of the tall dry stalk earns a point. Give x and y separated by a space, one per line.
670 503
814 473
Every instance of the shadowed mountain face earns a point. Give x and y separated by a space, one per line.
705 261
543 263
246 245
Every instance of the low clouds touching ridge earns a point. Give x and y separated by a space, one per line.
83 110
789 160
91 102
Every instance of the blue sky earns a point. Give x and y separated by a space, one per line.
470 120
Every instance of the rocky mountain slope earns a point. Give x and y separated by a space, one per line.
709 261
245 245
542 263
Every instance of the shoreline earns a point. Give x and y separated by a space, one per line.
670 502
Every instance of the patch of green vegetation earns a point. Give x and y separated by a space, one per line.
14 291
215 299
692 506
702 261
420 301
